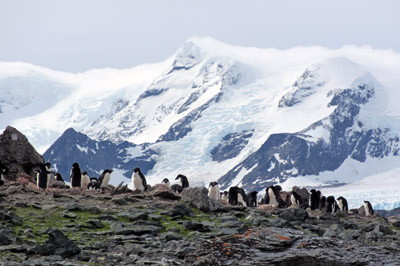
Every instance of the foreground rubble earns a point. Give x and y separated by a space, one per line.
71 227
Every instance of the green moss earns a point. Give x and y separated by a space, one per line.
9 256
39 221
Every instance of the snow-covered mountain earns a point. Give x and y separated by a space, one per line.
244 116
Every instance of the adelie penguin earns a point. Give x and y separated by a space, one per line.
342 203
85 179
369 211
105 177
184 183
3 172
166 182
138 180
252 199
224 196
41 177
213 191
295 199
75 177
330 204
274 196
315 198
93 184
237 196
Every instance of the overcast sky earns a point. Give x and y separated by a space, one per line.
77 35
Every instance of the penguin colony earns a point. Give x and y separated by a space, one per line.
274 196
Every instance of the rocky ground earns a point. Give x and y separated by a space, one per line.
71 227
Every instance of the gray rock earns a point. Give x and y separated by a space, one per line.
72 206
58 244
196 226
162 191
294 215
180 210
6 237
198 198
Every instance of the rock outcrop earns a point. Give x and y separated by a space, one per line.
17 153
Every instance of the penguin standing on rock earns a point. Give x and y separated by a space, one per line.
342 203
184 183
252 198
165 182
369 211
75 177
3 172
330 204
93 184
314 199
85 179
274 196
213 191
104 178
237 196
41 178
224 196
296 199
138 180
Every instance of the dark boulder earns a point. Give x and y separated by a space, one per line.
58 244
17 153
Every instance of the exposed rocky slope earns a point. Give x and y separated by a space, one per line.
70 227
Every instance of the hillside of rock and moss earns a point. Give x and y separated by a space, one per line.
122 227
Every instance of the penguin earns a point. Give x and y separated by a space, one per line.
330 204
104 178
266 197
93 184
166 182
252 198
322 203
233 196
369 211
314 199
3 172
59 182
75 177
224 196
184 183
138 180
295 199
342 203
85 179
59 177
50 174
213 191
274 196
183 180
237 196
41 177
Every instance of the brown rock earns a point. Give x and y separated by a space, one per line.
162 191
17 153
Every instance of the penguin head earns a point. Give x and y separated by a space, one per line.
75 165
165 181
136 170
108 171
48 165
84 173
213 184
